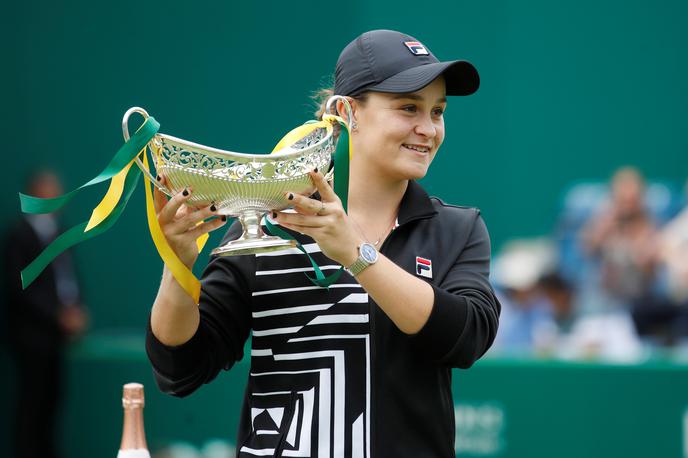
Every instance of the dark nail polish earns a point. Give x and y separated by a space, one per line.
213 208
185 192
158 178
315 170
290 196
223 218
274 215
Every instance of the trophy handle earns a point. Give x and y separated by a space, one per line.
125 132
331 107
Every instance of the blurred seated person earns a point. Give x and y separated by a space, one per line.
40 320
540 314
559 294
666 317
621 236
527 321
575 335
673 254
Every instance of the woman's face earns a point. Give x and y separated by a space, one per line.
399 134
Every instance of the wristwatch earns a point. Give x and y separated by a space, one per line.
367 255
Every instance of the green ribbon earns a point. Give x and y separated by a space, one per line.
124 156
341 188
341 167
320 278
77 235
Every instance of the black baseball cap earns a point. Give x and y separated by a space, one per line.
389 61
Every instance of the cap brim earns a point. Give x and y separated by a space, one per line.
460 76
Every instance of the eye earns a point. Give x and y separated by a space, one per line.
439 111
409 108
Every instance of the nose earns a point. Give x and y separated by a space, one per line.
426 127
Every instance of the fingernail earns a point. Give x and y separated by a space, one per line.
290 196
158 178
223 218
274 215
315 170
185 192
213 208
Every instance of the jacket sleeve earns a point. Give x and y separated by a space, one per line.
225 322
465 315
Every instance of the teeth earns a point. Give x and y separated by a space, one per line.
421 149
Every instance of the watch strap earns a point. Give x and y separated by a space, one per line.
358 266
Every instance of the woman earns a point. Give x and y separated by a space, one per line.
362 368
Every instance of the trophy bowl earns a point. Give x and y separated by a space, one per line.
246 186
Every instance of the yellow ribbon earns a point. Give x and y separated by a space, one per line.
334 118
298 133
181 273
111 198
113 194
200 241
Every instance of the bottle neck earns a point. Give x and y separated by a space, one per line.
133 433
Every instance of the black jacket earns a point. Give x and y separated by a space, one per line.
32 314
330 372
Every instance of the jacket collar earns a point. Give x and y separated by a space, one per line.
415 204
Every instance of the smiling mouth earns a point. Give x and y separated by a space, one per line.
417 148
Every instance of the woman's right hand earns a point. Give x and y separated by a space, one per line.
180 222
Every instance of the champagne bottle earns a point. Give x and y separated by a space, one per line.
133 443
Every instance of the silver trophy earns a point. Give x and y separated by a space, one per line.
243 185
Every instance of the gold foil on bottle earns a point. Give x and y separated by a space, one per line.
132 395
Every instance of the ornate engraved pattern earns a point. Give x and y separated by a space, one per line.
176 155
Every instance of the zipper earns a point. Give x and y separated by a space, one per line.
372 312
373 348
373 398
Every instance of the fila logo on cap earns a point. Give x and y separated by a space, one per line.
416 48
423 267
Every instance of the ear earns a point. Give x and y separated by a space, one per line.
341 110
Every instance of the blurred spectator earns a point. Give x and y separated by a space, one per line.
527 319
609 336
621 237
560 297
539 314
40 320
665 316
673 254
617 278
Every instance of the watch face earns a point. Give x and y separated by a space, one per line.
368 252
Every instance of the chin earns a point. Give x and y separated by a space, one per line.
414 173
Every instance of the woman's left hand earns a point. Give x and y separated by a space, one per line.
325 221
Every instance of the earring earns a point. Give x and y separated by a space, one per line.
354 126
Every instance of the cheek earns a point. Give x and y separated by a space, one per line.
440 134
368 144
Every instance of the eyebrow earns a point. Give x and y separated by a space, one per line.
415 97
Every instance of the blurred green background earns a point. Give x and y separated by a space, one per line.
570 91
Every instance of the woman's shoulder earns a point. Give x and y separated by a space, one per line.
456 213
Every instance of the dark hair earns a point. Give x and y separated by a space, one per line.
554 281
